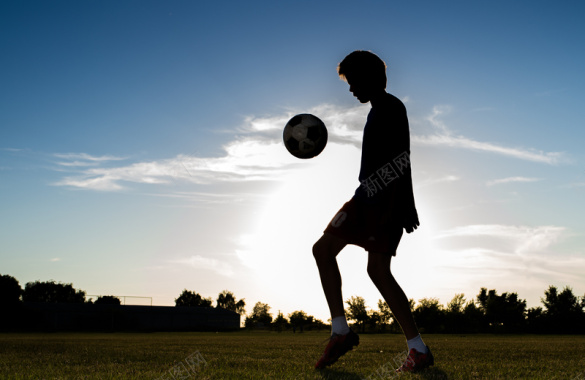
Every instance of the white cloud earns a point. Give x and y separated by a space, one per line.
84 159
522 259
434 181
245 160
257 154
521 239
444 137
512 179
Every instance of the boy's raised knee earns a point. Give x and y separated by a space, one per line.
319 250
327 247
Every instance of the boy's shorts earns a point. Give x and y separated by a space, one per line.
366 228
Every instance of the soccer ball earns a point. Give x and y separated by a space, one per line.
305 136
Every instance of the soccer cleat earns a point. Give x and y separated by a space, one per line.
337 346
416 361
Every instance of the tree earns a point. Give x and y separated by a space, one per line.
564 312
107 300
280 322
356 311
454 317
260 316
10 310
385 313
473 318
190 298
299 319
457 303
227 300
505 312
429 315
375 320
535 320
318 324
387 317
10 291
51 292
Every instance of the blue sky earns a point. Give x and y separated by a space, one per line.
140 147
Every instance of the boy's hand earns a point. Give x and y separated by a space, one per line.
411 222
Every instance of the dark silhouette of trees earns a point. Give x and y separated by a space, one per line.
535 320
227 300
280 323
190 298
52 292
563 311
502 313
429 315
454 317
384 314
357 311
10 291
374 320
10 303
489 312
299 319
472 319
260 316
107 300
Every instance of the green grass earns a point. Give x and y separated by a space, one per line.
270 355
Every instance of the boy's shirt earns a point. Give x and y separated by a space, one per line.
385 172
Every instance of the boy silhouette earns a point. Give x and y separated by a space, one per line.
374 219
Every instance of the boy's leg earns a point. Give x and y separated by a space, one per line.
379 272
325 252
419 356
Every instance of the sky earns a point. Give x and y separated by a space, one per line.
141 145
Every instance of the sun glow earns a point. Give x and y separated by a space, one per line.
278 245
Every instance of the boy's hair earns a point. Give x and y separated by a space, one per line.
363 65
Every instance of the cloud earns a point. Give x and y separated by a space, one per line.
210 198
512 179
518 239
244 160
525 259
434 181
84 159
256 153
444 137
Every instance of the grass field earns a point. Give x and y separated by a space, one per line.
271 355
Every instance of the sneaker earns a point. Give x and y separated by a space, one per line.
417 361
338 345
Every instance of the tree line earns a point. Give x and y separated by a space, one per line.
12 295
488 312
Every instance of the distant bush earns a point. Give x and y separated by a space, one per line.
52 292
108 300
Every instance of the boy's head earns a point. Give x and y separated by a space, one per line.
363 66
365 73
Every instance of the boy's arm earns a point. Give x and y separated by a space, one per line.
397 203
